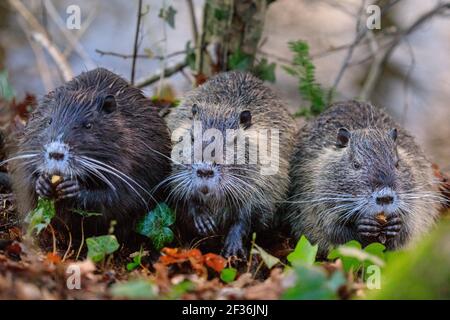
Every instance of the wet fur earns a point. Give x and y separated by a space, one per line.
254 198
324 187
124 139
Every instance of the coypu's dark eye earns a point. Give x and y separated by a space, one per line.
356 165
49 121
245 119
88 125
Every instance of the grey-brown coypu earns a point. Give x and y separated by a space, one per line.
356 174
229 198
107 143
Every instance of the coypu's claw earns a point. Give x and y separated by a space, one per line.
44 186
204 224
368 228
393 226
233 248
68 189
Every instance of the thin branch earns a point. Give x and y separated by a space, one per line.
41 62
193 20
57 56
138 56
167 73
86 24
360 33
69 37
383 59
39 34
136 38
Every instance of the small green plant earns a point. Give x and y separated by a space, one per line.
6 91
156 225
39 218
228 275
137 259
135 289
312 283
241 61
304 253
304 69
100 247
355 259
168 15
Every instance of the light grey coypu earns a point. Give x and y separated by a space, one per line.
229 199
356 174
107 144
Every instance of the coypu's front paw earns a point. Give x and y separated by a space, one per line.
204 224
392 227
233 248
44 187
368 228
68 189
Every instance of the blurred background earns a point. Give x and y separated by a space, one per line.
404 66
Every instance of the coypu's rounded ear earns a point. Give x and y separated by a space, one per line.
393 134
343 137
245 119
108 104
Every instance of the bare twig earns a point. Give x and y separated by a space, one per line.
406 81
383 59
86 24
193 20
374 70
139 56
136 38
41 62
73 42
360 33
39 34
167 72
58 57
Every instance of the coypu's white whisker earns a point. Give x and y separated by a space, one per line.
161 154
88 167
122 178
167 180
98 162
19 157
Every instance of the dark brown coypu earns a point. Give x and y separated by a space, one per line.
356 174
105 140
229 198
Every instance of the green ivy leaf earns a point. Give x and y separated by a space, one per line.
348 263
168 15
99 247
39 218
268 259
239 61
265 70
312 283
155 225
190 55
354 257
6 91
135 289
304 252
179 289
228 275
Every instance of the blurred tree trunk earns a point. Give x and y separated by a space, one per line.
230 35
